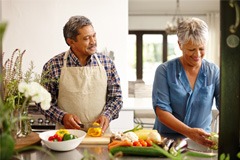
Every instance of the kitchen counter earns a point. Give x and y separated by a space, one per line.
99 151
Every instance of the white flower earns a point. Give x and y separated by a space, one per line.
37 93
45 105
22 87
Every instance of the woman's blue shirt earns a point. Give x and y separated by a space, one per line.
172 93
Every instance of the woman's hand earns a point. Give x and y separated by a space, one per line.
198 135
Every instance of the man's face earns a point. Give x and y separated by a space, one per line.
86 43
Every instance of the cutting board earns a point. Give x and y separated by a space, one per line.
31 139
105 139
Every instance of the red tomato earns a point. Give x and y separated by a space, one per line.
55 135
59 138
149 142
142 142
137 143
51 138
55 138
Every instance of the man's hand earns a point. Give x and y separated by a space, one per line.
71 121
104 122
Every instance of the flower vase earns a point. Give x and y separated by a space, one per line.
23 124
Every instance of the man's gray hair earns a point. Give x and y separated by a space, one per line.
192 29
70 30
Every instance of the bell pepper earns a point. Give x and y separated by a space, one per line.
95 130
61 132
67 137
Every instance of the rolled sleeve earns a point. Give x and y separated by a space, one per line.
160 93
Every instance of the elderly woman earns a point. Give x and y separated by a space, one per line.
184 88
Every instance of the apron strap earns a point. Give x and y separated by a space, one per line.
65 58
98 61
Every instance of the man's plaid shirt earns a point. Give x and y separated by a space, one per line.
51 75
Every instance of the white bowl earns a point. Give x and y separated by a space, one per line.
63 145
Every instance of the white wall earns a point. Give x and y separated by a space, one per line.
151 22
36 25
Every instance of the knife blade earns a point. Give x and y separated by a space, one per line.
87 125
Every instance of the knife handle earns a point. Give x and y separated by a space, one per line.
81 125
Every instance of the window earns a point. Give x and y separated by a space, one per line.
132 76
173 48
152 55
147 50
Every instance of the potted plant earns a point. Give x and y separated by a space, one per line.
18 89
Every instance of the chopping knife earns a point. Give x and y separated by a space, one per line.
85 126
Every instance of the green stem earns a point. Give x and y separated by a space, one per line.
138 127
165 153
25 104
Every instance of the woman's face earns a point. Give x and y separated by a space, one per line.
192 53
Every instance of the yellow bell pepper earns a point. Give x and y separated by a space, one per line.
95 130
61 132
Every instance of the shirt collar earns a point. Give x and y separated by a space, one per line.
75 60
203 69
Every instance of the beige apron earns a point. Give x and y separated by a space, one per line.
82 91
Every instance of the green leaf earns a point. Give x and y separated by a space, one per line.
6 146
238 155
3 26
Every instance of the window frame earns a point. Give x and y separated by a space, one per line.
139 48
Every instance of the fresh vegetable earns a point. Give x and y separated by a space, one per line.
129 136
167 143
95 130
137 151
117 135
178 147
214 137
181 156
61 135
137 143
55 138
143 142
61 132
143 133
138 127
119 143
149 142
67 137
155 137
